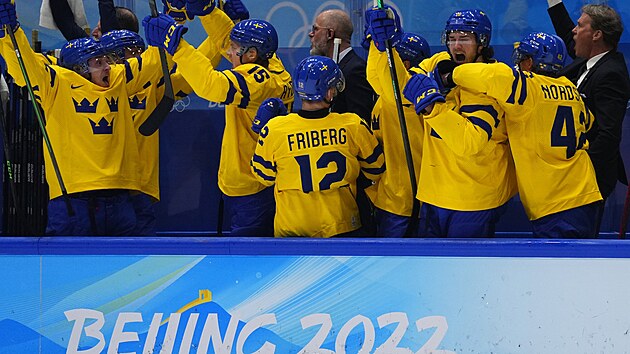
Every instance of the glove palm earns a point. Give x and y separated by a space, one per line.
177 10
383 25
236 10
199 7
443 75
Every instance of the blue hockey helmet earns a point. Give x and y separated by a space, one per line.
314 75
413 47
547 51
76 53
474 21
258 34
117 41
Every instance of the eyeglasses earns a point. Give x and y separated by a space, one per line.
316 28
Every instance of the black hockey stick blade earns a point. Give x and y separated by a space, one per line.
155 119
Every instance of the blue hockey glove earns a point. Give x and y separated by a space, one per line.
383 24
177 10
270 108
236 10
443 75
7 16
422 90
162 31
199 7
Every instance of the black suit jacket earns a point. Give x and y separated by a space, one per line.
606 90
358 96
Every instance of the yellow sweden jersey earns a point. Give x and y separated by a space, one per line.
144 103
466 161
242 90
90 126
392 192
314 164
546 122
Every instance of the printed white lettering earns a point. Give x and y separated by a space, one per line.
390 346
93 331
250 327
315 345
368 341
119 335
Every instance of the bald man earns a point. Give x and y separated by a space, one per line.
358 96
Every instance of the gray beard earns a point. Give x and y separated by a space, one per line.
315 51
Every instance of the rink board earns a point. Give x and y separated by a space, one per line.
240 295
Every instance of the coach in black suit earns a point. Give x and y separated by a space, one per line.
601 75
358 96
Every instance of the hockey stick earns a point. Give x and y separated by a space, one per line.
403 129
40 120
8 157
155 119
624 216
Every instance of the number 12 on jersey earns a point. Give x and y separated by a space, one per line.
304 161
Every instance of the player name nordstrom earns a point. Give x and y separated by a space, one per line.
561 92
315 138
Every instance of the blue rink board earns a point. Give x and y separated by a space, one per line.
240 295
521 247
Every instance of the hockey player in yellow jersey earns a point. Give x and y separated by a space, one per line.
547 122
121 45
467 172
257 74
313 157
392 194
89 124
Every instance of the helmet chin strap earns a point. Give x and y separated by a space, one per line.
240 56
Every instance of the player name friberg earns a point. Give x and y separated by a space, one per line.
315 138
561 92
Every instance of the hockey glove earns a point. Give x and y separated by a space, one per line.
199 7
162 31
270 108
443 75
7 16
383 25
422 91
177 10
236 10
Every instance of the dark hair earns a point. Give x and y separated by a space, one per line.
127 20
487 53
262 62
604 18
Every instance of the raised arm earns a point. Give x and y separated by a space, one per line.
107 12
64 19
562 23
